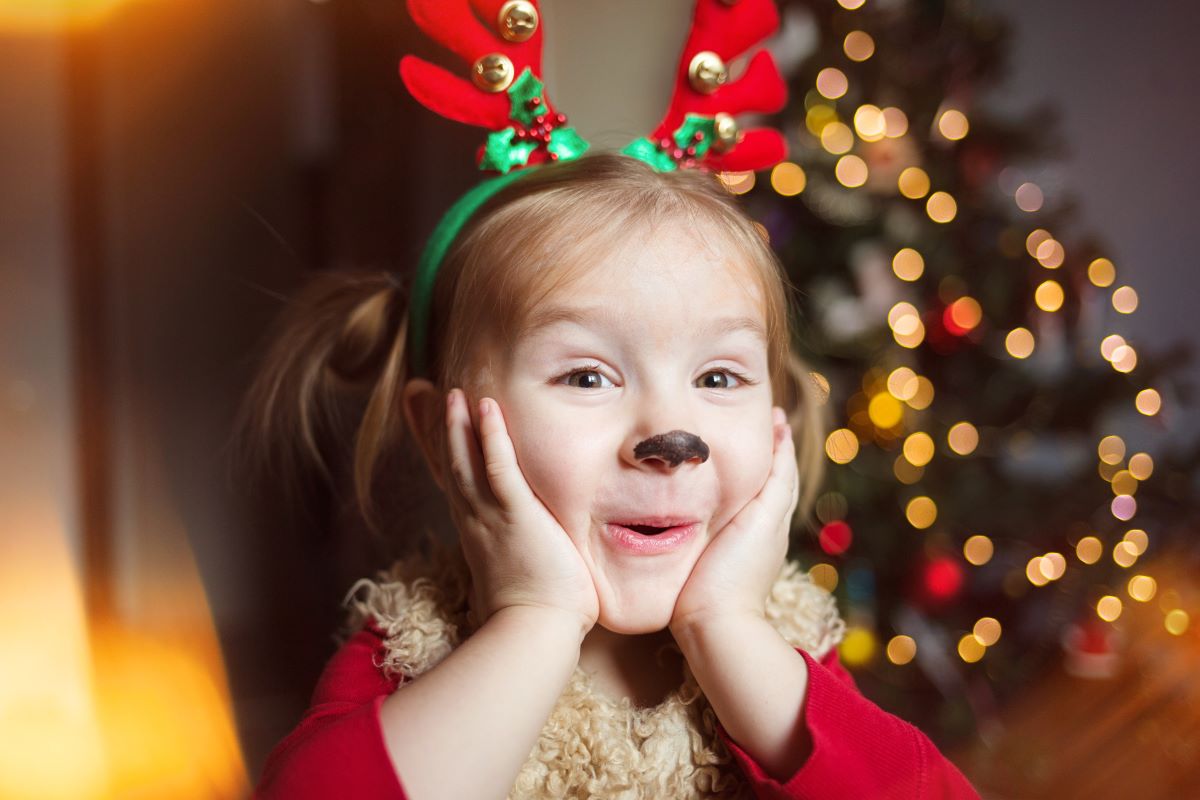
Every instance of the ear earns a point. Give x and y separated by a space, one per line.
425 415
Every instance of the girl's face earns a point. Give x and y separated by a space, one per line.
666 333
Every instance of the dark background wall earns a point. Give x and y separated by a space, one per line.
1121 78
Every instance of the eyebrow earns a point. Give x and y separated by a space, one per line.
609 317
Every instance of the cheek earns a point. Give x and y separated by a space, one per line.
743 459
557 462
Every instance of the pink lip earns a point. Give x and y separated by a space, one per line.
630 541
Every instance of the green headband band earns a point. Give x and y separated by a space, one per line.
444 234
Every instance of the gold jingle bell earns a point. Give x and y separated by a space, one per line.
518 20
707 72
493 72
725 132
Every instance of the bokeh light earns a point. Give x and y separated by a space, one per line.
1048 296
1176 622
901 649
1141 466
859 45
963 438
851 171
1089 549
918 448
1019 343
1108 608
1142 588
837 138
738 182
1124 554
885 411
1111 449
1050 254
1148 402
1137 540
913 183
902 383
921 512
841 446
1124 358
1034 240
941 207
978 550
1123 507
1110 343
908 264
963 315
953 124
832 83
1028 197
788 179
824 575
924 394
987 630
895 122
869 122
1101 272
1125 300
969 649
857 647
818 116
835 537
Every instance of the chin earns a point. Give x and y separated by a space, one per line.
633 624
634 607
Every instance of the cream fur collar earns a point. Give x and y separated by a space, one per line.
591 746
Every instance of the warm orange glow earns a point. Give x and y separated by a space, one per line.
48 14
46 705
139 709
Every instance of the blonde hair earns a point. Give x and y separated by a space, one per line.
340 357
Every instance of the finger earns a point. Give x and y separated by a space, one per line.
499 456
465 460
782 483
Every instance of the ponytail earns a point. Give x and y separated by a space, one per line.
328 387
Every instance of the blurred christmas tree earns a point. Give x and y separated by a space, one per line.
993 487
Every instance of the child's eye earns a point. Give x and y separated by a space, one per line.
721 379
587 379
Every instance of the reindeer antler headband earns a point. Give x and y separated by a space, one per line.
506 96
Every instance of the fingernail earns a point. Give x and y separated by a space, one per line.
449 399
778 416
485 406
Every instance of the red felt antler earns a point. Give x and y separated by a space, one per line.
460 26
728 28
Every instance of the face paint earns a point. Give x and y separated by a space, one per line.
674 447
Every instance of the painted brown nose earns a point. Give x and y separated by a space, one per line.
674 447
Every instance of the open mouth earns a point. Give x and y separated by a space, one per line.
646 530
641 538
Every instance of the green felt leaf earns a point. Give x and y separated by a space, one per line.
685 133
645 150
524 89
501 154
566 143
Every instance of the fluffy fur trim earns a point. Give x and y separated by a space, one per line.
592 746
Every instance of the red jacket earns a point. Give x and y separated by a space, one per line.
859 750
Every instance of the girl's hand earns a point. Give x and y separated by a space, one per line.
518 553
741 563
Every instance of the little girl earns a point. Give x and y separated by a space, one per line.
595 362
610 406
